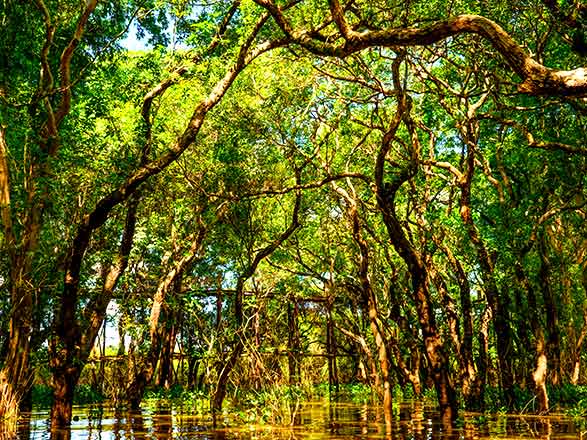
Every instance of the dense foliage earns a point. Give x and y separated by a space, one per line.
271 193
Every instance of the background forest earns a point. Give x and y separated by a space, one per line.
289 193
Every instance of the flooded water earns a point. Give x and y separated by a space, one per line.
317 420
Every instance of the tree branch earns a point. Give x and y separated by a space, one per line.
65 62
160 88
532 142
5 204
103 208
536 78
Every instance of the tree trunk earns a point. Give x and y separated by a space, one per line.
411 371
483 356
238 340
121 337
539 374
193 368
71 345
171 280
373 378
168 340
369 299
495 298
165 378
577 349
471 388
434 345
525 333
63 382
541 364
552 325
220 390
15 376
293 342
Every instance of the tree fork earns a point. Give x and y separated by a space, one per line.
536 78
237 341
386 191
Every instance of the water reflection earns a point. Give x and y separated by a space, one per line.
162 422
24 427
412 421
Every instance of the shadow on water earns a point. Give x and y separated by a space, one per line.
316 420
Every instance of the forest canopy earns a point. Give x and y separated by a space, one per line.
395 191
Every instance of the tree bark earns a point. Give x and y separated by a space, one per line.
369 299
495 298
71 345
144 374
536 78
165 379
64 380
434 345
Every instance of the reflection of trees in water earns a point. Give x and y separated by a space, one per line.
162 422
23 428
60 434
118 424
95 417
537 427
413 421
136 424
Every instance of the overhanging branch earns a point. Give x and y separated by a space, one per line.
536 78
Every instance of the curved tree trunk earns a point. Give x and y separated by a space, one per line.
72 343
144 375
368 297
433 343
237 342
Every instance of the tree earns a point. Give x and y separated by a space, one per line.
441 162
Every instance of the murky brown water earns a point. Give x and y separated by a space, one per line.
318 420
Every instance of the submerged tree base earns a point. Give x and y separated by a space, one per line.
323 419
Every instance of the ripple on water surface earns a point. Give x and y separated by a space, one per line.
316 420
